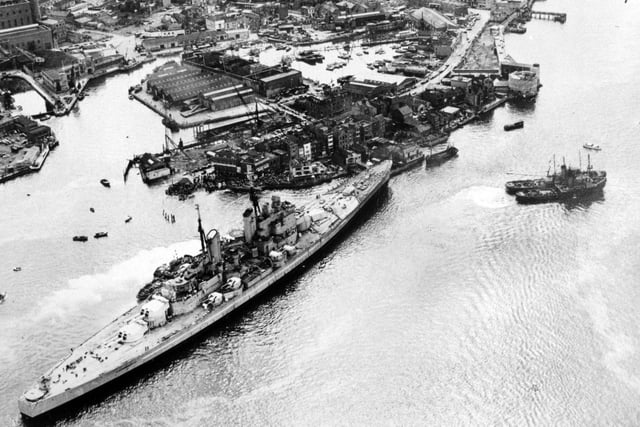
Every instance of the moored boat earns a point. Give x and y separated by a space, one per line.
192 293
310 57
441 156
399 167
512 126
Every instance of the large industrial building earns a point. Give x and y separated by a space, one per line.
19 26
179 84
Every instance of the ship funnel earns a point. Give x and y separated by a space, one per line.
275 203
215 254
249 220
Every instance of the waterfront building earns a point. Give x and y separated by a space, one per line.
273 84
227 96
456 8
365 88
19 26
177 84
524 83
306 170
425 17
153 168
57 27
59 70
254 165
359 19
17 13
29 37
485 4
197 38
333 102
225 162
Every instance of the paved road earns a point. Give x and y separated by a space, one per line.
456 57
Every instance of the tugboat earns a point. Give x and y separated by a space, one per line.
571 183
80 238
441 156
516 125
406 164
105 182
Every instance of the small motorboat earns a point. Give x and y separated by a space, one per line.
3 296
129 218
130 96
516 125
92 210
16 269
105 182
590 146
80 238
100 235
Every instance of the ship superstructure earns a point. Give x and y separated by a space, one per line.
193 292
570 183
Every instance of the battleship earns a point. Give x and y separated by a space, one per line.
192 293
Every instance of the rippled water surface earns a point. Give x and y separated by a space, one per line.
450 304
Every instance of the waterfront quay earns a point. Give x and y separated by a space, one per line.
271 115
397 79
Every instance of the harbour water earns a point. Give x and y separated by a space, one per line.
450 305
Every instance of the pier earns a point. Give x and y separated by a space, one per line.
553 16
31 81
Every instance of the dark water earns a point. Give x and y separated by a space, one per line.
450 305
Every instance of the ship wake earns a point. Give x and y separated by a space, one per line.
122 279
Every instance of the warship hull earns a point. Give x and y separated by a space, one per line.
48 404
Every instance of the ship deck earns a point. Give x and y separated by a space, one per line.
105 354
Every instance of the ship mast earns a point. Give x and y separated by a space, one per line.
254 200
200 230
580 159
